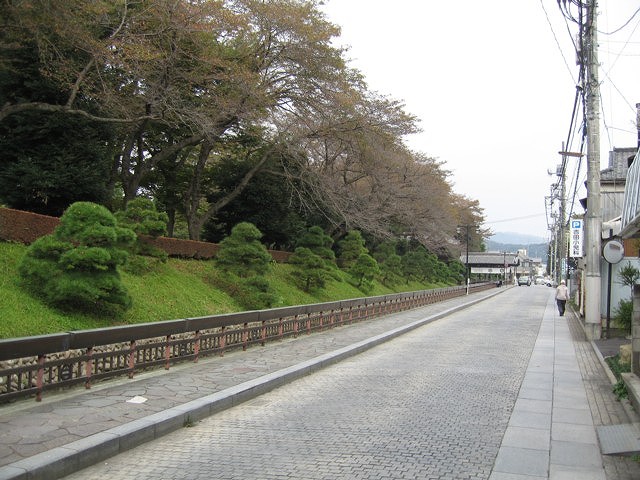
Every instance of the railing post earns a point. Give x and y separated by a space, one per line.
40 378
263 333
167 353
223 340
196 347
280 328
308 322
132 357
88 368
245 336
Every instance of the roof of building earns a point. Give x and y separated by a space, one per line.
490 258
618 164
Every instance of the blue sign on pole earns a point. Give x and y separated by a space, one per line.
575 239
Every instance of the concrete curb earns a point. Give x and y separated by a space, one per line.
605 365
75 456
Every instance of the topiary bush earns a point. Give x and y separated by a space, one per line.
351 247
242 254
310 271
76 267
319 243
243 261
364 270
251 293
143 218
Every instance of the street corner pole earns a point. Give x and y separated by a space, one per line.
593 224
467 262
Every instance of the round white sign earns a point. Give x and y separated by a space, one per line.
613 251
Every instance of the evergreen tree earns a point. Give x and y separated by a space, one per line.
48 160
76 267
244 261
390 263
319 243
242 254
364 271
267 200
143 218
310 270
351 247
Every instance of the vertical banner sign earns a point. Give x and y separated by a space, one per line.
575 240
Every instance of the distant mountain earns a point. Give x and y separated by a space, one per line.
536 247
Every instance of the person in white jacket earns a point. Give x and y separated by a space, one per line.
562 295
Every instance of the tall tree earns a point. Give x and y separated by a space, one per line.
179 81
47 160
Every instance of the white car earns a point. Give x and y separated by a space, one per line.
524 280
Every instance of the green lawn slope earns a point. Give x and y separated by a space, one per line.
178 289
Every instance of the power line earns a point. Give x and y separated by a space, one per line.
517 218
556 40
623 47
626 23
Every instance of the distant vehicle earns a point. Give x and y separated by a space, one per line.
524 280
539 281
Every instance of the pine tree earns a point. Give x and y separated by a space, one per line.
242 254
351 247
310 270
76 267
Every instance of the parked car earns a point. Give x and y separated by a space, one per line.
524 280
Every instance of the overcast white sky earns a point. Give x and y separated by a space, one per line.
493 90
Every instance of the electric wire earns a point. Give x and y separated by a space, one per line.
626 43
576 185
604 122
620 28
557 42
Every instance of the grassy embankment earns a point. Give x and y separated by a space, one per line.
179 289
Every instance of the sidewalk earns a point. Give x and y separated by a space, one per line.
67 432
564 398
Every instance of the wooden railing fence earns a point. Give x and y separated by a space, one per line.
30 366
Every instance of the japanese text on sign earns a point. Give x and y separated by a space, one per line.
575 239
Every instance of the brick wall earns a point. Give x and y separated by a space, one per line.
177 247
26 227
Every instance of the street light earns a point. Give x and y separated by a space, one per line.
466 263
504 268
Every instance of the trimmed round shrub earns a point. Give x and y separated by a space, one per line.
76 267
242 254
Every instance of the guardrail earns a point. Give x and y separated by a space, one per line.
31 365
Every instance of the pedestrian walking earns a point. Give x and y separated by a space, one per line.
562 295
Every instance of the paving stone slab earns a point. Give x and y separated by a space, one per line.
619 439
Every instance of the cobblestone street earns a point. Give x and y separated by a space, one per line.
433 403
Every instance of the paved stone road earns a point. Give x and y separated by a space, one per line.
431 404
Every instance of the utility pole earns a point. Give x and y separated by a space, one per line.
468 280
466 263
593 222
562 245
